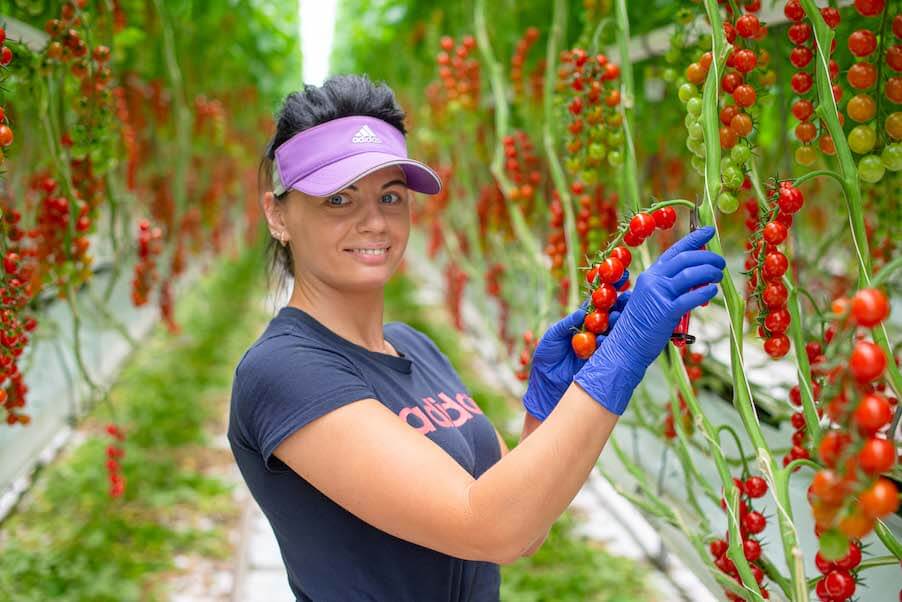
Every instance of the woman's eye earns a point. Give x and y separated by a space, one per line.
336 200
392 195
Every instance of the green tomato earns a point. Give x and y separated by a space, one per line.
833 545
741 153
694 106
727 202
697 132
726 163
732 178
615 137
892 156
871 169
596 151
689 119
672 55
571 164
615 158
696 146
686 92
698 164
589 176
862 139
669 75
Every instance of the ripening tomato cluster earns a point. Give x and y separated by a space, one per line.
150 245
848 495
766 266
16 324
751 522
523 168
594 131
114 453
530 36
129 137
455 282
459 75
643 224
601 278
799 449
54 218
801 34
493 278
529 348
6 132
491 212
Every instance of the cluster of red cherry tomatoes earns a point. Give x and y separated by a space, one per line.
530 36
114 453
459 75
751 523
523 168
150 245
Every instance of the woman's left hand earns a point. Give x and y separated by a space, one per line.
554 362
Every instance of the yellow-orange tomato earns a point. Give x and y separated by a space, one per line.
861 108
824 513
894 125
695 73
805 155
856 524
741 124
893 89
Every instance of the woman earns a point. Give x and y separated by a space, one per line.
381 477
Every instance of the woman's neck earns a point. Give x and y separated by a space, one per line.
357 318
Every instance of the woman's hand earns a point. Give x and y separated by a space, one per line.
677 282
554 363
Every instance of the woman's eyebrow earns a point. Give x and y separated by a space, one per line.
384 186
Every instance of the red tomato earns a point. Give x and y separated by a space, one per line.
729 81
747 26
6 135
862 42
829 487
869 8
801 82
793 10
790 199
870 307
591 274
623 254
856 524
831 16
777 346
862 75
632 239
867 361
851 559
642 225
751 549
802 109
839 584
744 95
774 295
775 265
744 60
583 344
800 57
822 564
665 217
872 413
774 233
799 33
718 548
754 522
879 499
604 296
596 322
777 321
755 487
876 456
610 270
832 446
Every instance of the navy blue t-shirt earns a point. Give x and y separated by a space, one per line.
299 370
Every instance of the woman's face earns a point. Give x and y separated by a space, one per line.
354 239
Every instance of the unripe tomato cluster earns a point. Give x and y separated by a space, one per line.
594 131
848 495
114 453
150 245
766 265
751 523
459 74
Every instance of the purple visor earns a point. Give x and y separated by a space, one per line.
327 158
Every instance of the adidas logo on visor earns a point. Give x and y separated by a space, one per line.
365 135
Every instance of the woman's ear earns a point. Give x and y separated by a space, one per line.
274 214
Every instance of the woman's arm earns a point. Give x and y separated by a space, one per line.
531 423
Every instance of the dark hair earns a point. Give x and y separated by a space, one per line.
339 96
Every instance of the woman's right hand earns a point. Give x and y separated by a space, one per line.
677 282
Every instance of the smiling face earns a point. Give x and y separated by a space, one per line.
354 239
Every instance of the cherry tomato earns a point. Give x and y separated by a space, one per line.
583 344
642 225
862 75
775 233
775 265
832 446
799 33
867 361
869 8
744 95
695 74
751 549
880 499
777 346
862 42
665 217
839 584
802 109
793 10
861 108
800 56
822 564
806 131
872 413
727 113
856 524
596 322
623 254
801 82
893 89
747 26
729 81
718 548
610 270
833 544
727 137
775 295
741 124
6 135
870 307
851 559
632 239
744 60
755 487
876 456
604 296
828 487
777 321
754 522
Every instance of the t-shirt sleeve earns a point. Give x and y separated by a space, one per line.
285 384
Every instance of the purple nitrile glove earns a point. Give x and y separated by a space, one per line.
554 362
663 293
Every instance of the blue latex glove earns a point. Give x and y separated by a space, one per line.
663 293
554 363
